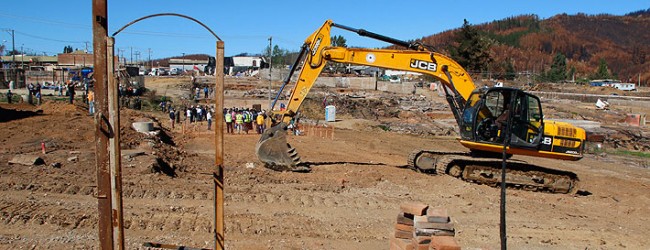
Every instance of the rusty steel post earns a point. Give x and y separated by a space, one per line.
100 34
114 147
218 139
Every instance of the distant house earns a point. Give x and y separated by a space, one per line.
624 86
613 84
77 58
601 82
187 64
247 65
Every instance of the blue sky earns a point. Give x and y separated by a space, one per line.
46 26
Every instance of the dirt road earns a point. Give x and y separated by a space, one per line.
349 201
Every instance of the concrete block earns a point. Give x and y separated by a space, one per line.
403 234
29 160
433 225
131 153
422 246
422 240
443 243
401 244
405 219
637 120
437 215
143 127
414 208
430 232
403 227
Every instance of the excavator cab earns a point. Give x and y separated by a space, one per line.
488 110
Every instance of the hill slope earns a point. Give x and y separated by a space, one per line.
531 43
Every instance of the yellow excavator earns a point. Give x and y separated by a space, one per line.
490 120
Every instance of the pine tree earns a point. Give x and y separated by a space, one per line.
339 41
603 71
557 72
473 49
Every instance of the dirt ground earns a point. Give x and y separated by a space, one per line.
350 200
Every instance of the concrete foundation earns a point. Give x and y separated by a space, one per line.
143 127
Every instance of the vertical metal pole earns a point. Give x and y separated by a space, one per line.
218 137
100 35
114 148
270 67
150 62
13 59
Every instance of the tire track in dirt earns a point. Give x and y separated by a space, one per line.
32 213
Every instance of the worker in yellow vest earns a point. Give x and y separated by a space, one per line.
239 122
260 123
228 118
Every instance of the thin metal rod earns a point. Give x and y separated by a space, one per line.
302 53
502 202
379 37
166 14
270 68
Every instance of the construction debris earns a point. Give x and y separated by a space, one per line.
636 120
422 227
600 104
27 160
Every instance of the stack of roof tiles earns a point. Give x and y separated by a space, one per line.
420 227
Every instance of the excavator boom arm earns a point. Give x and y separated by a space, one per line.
417 59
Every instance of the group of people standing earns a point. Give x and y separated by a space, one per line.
35 91
242 120
206 92
192 114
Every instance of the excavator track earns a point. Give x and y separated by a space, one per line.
519 174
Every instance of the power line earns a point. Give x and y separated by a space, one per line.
59 23
47 39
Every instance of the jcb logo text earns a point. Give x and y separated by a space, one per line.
430 66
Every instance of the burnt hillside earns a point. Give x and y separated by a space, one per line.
531 43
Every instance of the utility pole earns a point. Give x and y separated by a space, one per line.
137 57
22 56
13 59
131 60
183 62
86 42
150 62
270 67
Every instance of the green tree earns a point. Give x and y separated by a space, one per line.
339 41
473 48
557 72
510 70
279 55
572 73
67 49
602 72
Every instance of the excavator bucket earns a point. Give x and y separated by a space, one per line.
276 153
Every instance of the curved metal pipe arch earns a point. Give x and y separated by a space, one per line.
166 14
